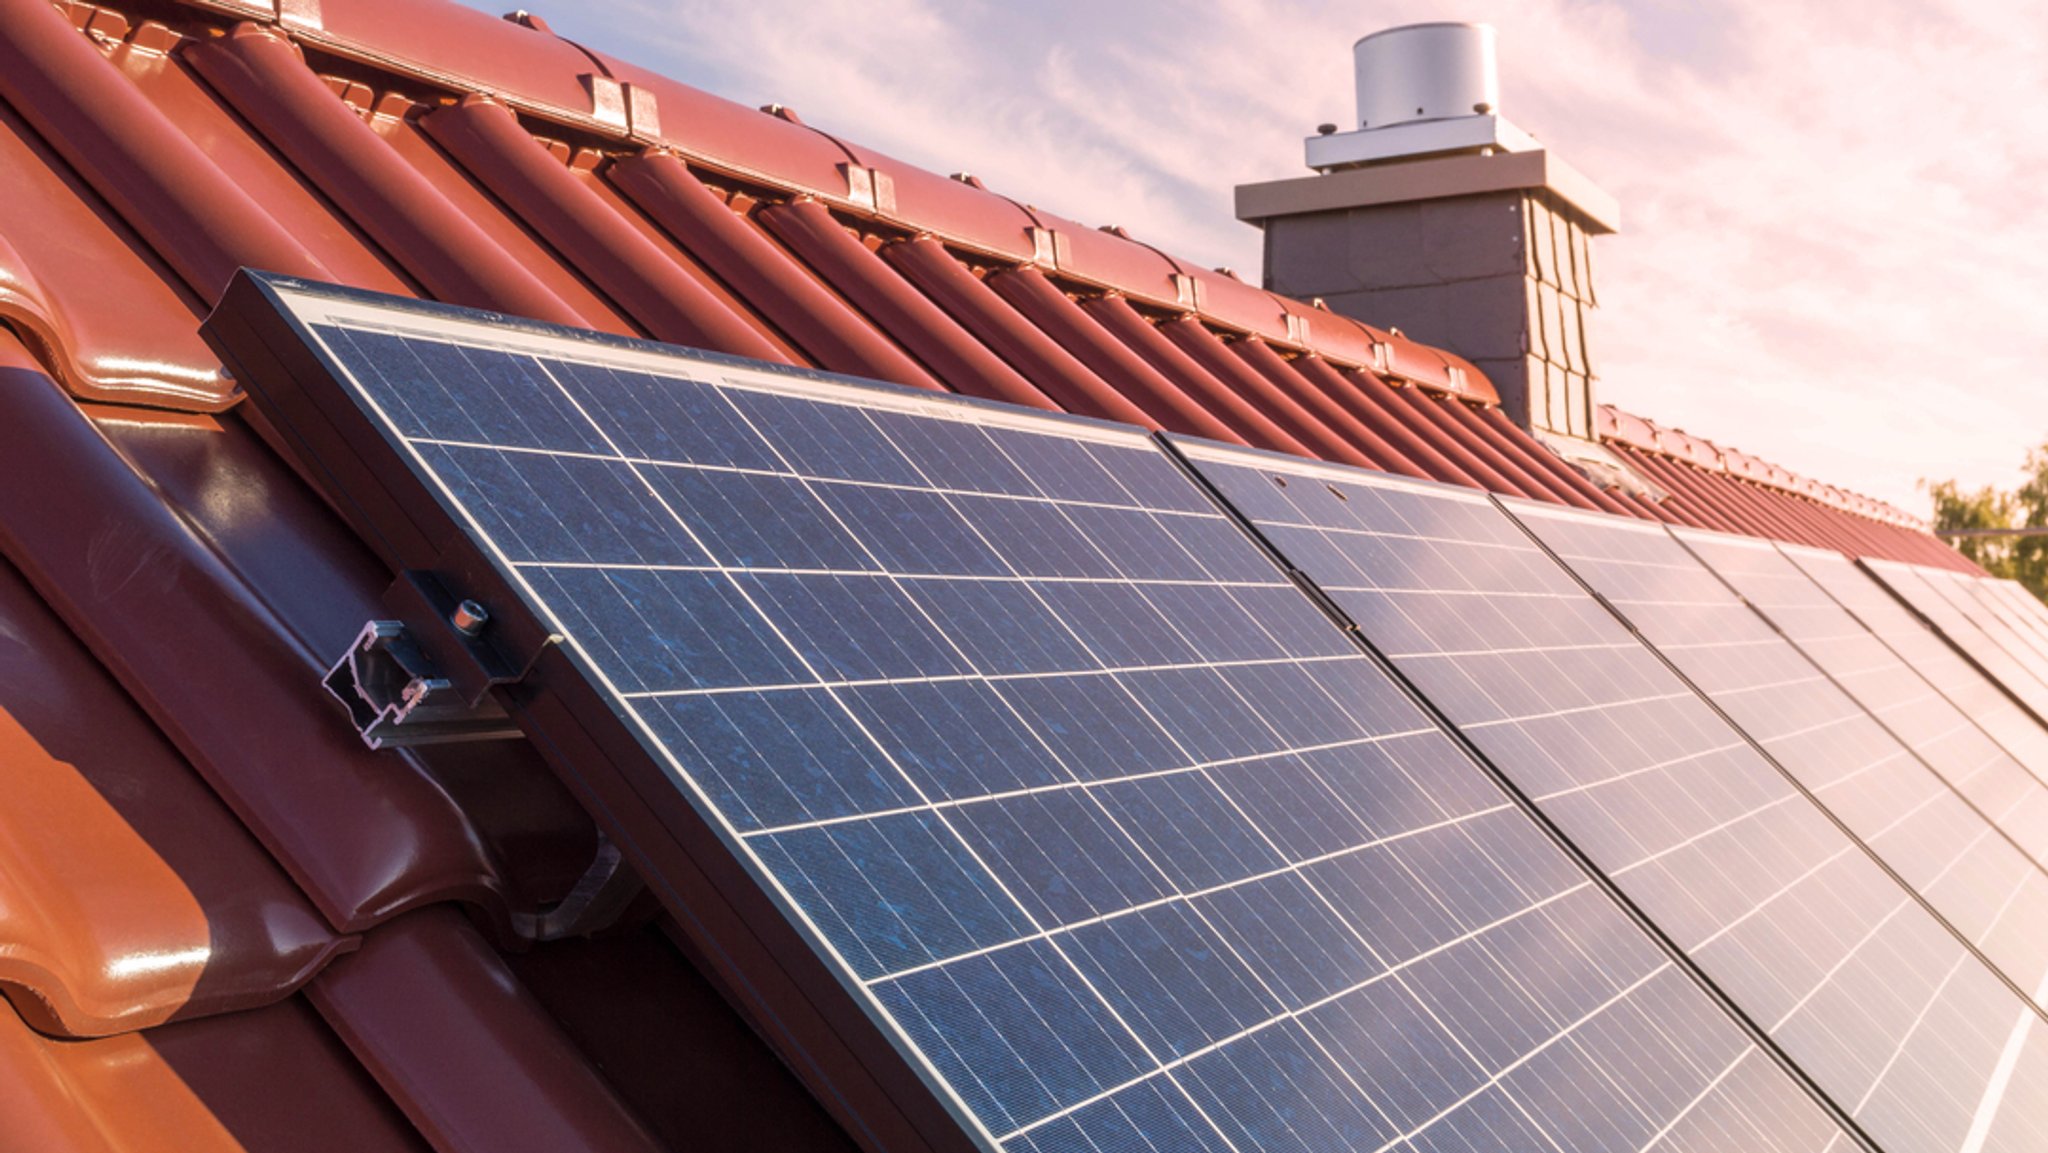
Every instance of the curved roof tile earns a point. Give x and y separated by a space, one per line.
129 895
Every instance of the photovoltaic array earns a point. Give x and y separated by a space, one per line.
1127 794
2026 612
1942 847
1881 1004
1984 601
1929 710
1106 825
1942 600
1970 690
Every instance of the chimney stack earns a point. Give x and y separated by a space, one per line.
1437 216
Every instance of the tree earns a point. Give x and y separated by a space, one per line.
2030 510
2020 558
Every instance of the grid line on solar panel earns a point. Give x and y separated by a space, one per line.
1967 688
1867 991
1895 693
1928 836
1966 594
1507 955
1978 599
2019 609
2026 606
1921 590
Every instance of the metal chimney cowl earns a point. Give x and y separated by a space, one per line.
1424 89
1426 72
1439 217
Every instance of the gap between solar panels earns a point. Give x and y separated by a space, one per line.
1019 797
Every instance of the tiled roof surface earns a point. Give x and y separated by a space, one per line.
224 924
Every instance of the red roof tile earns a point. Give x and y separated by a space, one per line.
193 836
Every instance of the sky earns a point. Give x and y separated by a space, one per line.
1834 248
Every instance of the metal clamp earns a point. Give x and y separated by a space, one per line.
423 674
397 698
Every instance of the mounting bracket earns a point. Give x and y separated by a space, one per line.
424 675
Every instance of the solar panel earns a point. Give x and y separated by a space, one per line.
1967 595
1960 682
1061 790
1986 599
2021 607
1969 873
2026 605
1925 590
1880 679
1888 1012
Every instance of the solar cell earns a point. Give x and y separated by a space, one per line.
1907 1029
1091 814
1925 590
1895 693
1970 874
1960 682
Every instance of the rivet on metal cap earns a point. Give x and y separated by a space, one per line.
469 618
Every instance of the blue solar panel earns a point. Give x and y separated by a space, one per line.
1970 874
1875 998
1110 832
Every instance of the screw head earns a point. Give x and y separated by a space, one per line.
469 618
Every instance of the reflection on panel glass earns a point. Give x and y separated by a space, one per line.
1956 679
1121 841
1936 596
1938 843
1875 998
1923 708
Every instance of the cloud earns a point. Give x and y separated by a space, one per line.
1835 250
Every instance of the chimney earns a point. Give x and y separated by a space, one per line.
1436 216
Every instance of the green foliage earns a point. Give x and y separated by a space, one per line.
2030 507
2022 558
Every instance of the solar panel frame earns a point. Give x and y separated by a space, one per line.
753 937
1882 795
1899 696
1908 635
1963 593
1994 611
1924 591
2026 605
1441 576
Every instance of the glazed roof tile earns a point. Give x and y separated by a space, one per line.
281 940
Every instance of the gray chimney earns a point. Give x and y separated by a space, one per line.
1436 216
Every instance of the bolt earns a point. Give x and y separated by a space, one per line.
469 618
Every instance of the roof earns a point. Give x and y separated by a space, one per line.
221 916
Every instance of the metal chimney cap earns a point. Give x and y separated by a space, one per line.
1425 72
1423 24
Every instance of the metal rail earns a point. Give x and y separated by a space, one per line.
1953 533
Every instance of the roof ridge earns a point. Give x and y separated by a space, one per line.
1644 434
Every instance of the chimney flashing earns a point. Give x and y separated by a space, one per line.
1433 178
